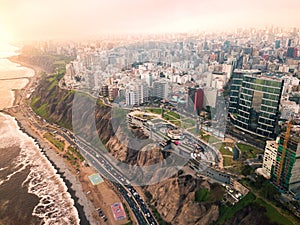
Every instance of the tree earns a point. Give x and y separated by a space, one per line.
246 170
269 191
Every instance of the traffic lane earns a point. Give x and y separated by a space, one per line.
124 193
138 199
66 135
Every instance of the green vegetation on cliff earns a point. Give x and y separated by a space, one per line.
48 95
202 195
257 207
55 105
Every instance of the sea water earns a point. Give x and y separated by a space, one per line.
31 191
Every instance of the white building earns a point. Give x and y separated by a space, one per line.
161 89
227 69
288 109
148 77
269 158
289 83
136 93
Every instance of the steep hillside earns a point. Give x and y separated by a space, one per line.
181 199
174 199
52 103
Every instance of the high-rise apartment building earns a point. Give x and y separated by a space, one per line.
104 91
161 89
286 169
136 93
269 158
255 102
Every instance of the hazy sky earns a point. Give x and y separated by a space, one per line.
35 19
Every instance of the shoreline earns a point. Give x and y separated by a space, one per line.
36 69
54 160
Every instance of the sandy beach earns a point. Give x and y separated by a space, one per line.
74 186
100 196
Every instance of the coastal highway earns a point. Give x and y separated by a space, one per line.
101 164
134 200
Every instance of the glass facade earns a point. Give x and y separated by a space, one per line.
256 103
235 86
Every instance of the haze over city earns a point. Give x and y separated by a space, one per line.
134 112
32 19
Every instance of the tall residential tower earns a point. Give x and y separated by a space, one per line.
255 103
286 169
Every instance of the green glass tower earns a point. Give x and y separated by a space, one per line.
235 87
256 104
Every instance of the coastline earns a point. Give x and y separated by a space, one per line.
36 69
68 177
57 163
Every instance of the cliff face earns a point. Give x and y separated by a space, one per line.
53 103
174 198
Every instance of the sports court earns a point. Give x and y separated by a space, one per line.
95 179
118 211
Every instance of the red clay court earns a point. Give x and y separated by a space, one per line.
118 211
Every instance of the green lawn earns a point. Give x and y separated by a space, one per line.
77 153
186 125
34 100
236 167
249 150
273 214
194 131
53 84
266 194
154 110
173 114
188 120
227 213
57 143
222 148
176 122
227 161
42 111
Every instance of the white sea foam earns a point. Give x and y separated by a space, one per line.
56 205
3 168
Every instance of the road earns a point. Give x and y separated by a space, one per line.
187 146
134 200
101 164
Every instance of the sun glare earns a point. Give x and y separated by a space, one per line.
5 35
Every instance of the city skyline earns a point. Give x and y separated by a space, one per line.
31 20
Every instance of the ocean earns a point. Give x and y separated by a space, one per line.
31 191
